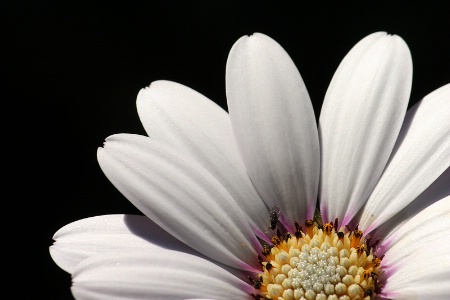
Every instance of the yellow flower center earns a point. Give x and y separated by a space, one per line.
321 263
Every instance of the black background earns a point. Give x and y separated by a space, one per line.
70 73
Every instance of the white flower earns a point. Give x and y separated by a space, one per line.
220 185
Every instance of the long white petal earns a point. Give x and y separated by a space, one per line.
428 229
159 274
180 196
84 238
435 192
416 261
274 124
360 119
177 115
420 156
424 276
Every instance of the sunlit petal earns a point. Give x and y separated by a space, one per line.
416 262
180 196
158 274
428 229
87 237
360 119
274 124
425 276
435 192
420 156
177 115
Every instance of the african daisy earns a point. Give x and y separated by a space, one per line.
261 203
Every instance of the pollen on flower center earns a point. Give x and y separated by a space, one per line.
321 263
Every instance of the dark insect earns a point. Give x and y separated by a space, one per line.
274 214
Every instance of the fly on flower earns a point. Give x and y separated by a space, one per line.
274 214
201 180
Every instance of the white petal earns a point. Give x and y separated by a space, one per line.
180 196
87 237
274 124
160 274
360 119
424 276
428 229
435 192
181 117
420 156
416 261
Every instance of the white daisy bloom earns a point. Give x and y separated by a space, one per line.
230 199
